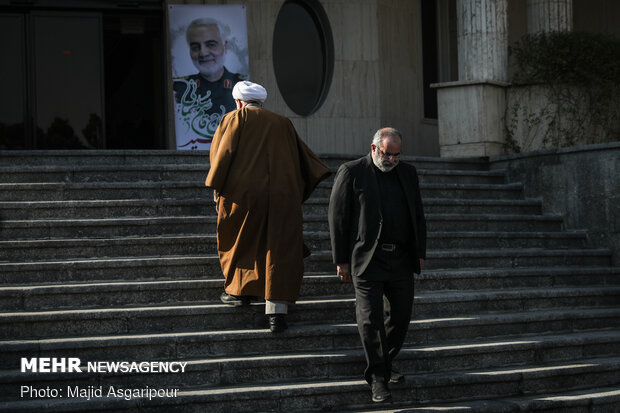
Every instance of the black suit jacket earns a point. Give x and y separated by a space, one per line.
355 213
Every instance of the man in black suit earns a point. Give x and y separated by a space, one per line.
378 237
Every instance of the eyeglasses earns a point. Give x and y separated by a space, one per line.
388 154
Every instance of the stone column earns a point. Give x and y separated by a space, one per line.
482 39
549 16
471 110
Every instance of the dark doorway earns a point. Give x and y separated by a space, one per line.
67 79
13 74
134 82
82 77
430 65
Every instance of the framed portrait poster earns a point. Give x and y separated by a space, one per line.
209 55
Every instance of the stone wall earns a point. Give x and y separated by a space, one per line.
377 73
581 183
536 118
400 76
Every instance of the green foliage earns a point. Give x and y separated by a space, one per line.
575 58
580 73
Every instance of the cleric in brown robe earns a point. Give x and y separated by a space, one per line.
261 173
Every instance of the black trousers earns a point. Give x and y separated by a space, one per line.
383 311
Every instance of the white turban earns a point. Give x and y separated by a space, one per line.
248 91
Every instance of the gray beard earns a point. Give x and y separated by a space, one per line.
382 167
211 72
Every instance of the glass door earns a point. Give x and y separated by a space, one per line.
68 80
92 78
13 122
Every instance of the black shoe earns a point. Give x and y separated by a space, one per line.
235 300
277 323
396 377
380 392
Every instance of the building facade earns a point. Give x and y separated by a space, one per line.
97 74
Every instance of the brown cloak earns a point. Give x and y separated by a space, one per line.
262 172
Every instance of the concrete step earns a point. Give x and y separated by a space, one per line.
71 158
592 399
452 176
50 228
462 176
500 258
145 246
130 246
468 222
507 278
345 363
165 157
482 206
36 278
319 206
110 269
29 295
176 290
319 261
514 258
107 227
108 294
515 381
508 304
447 304
121 208
122 293
320 240
448 190
472 191
193 172
491 222
154 345
209 313
112 208
339 394
106 173
497 239
420 162
60 191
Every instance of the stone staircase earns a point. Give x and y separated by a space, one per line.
110 256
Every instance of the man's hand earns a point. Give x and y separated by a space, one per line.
344 272
216 199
